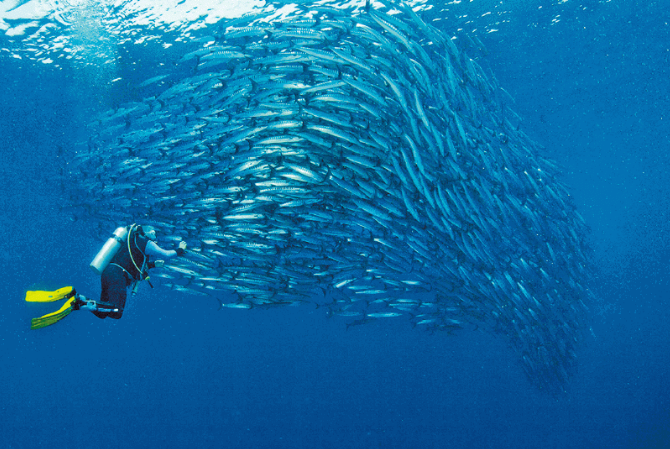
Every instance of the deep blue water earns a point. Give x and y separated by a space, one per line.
175 372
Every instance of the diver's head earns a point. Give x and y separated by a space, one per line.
149 232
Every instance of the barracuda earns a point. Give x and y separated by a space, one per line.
353 158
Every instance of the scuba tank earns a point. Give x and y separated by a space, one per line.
121 237
109 250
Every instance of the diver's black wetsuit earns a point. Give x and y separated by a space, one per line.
115 281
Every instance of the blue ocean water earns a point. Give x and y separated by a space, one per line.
590 80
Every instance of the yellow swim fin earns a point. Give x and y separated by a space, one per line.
43 296
51 318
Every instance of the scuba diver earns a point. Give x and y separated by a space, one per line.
123 261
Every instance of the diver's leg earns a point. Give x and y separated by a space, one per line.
112 295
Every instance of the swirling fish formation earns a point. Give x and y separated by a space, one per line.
355 159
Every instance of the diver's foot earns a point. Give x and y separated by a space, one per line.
83 303
78 302
90 305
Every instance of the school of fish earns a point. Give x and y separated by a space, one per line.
353 159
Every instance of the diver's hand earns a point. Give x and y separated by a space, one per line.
159 263
182 248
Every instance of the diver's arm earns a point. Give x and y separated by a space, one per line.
157 252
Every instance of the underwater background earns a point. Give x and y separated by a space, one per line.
590 80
